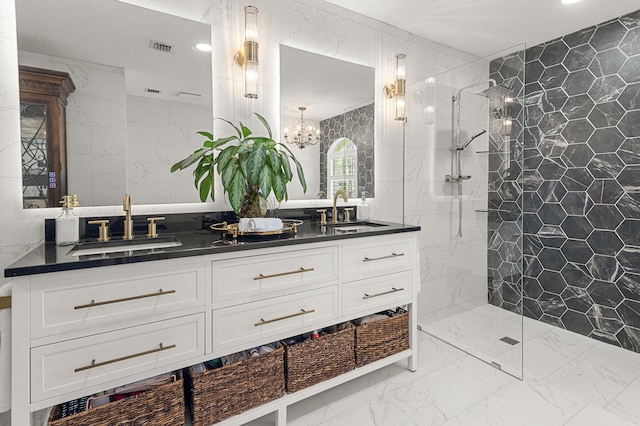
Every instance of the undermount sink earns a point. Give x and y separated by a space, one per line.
116 246
354 227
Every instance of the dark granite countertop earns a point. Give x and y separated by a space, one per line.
195 242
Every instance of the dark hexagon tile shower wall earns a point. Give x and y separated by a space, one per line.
358 126
581 198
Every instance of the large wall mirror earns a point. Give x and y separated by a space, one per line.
327 116
142 91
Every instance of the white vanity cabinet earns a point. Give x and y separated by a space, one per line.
78 332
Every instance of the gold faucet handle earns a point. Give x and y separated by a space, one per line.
152 231
323 216
347 214
103 232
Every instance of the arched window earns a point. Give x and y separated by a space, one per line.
342 167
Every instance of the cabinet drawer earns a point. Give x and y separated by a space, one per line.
368 257
64 367
237 327
257 277
377 293
82 299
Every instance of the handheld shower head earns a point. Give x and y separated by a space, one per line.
461 148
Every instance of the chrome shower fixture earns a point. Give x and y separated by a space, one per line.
461 148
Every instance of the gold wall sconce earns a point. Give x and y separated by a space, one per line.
247 57
397 89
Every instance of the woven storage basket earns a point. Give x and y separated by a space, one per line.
314 361
161 406
379 339
215 395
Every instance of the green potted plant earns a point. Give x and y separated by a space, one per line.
250 168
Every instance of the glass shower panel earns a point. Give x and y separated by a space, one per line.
463 177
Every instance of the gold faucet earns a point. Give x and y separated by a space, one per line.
334 218
128 223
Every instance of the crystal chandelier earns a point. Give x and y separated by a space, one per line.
303 132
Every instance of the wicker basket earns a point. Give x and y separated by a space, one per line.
314 361
382 338
161 406
215 395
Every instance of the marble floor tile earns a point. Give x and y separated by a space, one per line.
528 403
532 328
487 346
627 404
434 354
549 351
379 411
492 376
462 325
591 381
441 395
310 411
478 332
621 362
466 418
595 416
354 393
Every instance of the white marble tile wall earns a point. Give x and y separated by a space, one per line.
329 30
159 133
313 25
96 127
454 267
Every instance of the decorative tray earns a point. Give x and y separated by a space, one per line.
231 229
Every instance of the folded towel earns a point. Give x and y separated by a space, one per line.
5 353
259 224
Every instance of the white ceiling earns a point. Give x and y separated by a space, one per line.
118 34
483 27
325 86
480 27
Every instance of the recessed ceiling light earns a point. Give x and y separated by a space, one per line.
203 47
569 1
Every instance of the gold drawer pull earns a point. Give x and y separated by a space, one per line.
95 364
369 259
393 290
5 302
297 271
124 299
302 312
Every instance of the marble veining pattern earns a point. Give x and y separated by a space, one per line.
581 176
569 380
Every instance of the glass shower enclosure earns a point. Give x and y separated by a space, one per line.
464 184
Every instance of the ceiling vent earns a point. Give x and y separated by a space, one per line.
154 91
160 46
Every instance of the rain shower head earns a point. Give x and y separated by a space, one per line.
496 89
491 82
493 89
500 97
